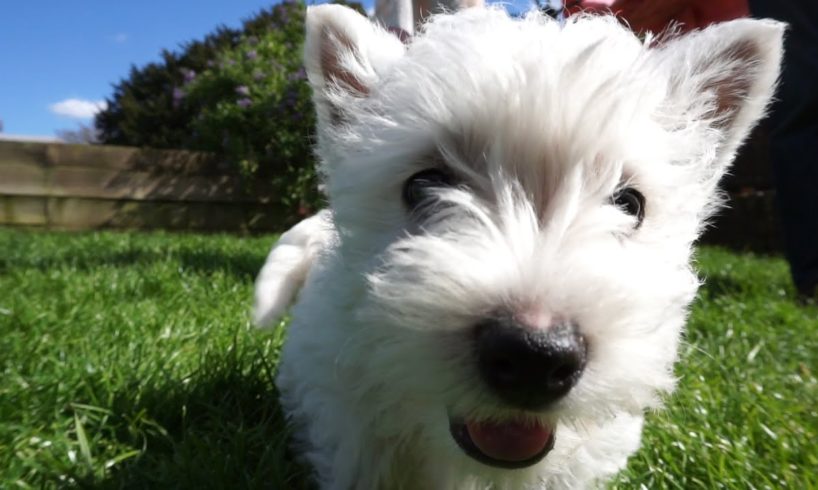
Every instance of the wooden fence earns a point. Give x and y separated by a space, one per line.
750 220
78 187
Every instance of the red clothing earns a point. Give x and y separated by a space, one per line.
693 14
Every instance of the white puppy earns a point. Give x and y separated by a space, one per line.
497 291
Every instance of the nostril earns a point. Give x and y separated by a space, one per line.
564 373
502 370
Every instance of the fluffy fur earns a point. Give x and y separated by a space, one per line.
541 124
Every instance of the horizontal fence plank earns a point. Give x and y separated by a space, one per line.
46 169
77 187
104 183
23 153
179 162
120 184
23 178
83 214
23 211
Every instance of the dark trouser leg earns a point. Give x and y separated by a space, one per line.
793 125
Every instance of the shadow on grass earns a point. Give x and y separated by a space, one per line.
717 286
239 264
223 429
737 288
82 260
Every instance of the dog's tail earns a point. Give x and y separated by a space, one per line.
287 266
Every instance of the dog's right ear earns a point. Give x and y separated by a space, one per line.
724 76
345 54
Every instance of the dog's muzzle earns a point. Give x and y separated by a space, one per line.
528 369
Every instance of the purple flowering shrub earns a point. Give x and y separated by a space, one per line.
254 108
240 93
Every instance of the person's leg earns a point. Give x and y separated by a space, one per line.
425 8
397 15
403 16
793 125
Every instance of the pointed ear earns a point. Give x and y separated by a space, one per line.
345 54
724 76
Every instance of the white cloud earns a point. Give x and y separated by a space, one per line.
371 11
120 38
78 108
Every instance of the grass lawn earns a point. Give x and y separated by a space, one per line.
129 361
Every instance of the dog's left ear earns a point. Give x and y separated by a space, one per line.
345 54
724 75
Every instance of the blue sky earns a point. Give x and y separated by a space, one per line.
59 58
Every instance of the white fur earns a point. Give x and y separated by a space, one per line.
541 124
287 266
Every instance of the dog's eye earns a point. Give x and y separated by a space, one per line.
630 201
419 187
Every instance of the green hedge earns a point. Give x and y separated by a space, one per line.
240 93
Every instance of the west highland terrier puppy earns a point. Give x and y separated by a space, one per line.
497 291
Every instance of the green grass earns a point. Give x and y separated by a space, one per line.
129 361
745 414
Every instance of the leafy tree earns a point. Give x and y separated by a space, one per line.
142 111
254 105
241 93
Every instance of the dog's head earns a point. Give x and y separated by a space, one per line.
520 199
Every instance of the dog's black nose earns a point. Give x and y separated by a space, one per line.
526 367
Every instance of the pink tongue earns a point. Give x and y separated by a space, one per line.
509 441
